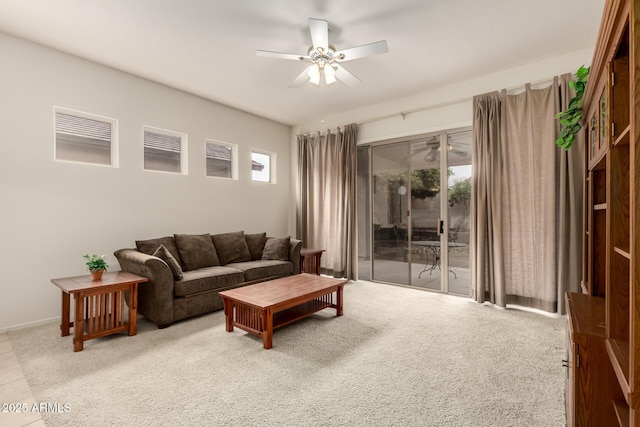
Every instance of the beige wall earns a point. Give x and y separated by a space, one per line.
53 212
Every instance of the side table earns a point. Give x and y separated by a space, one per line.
99 305
310 260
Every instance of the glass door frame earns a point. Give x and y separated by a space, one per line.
444 206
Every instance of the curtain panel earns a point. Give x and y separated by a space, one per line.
527 200
487 269
326 200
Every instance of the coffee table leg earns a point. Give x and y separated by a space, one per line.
228 313
78 324
339 301
66 314
267 337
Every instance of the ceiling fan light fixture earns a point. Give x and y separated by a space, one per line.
314 74
329 74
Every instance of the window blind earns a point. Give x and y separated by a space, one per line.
217 151
164 142
83 127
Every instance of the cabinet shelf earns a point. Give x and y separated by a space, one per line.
600 207
619 356
624 252
622 413
623 138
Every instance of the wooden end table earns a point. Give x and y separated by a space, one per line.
310 260
99 305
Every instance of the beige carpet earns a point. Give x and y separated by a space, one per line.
398 357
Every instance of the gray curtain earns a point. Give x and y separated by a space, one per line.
527 203
326 201
487 268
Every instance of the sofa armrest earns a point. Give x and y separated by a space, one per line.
294 254
155 297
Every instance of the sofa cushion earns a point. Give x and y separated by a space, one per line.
277 248
151 245
261 269
196 251
207 279
256 242
231 247
173 264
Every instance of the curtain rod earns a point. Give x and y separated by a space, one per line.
405 113
318 132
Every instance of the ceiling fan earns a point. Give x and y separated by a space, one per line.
432 148
324 59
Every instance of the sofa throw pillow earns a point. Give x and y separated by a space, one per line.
231 247
196 250
151 245
163 253
256 242
277 248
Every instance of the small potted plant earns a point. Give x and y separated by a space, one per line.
96 265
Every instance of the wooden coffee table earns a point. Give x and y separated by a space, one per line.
263 307
99 305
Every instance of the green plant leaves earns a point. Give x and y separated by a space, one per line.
95 262
569 119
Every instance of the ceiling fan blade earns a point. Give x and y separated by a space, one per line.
319 30
362 51
346 77
459 153
278 55
302 78
420 150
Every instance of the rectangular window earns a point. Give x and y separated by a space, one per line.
165 150
85 138
221 159
262 164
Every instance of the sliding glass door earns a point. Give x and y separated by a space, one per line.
413 218
458 210
390 201
426 212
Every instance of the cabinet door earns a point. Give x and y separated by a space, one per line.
597 130
593 136
569 386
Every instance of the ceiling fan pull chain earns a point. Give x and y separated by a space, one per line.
322 100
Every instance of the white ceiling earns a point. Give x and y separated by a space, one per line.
207 47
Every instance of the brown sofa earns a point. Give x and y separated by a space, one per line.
186 271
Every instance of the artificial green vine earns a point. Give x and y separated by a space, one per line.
570 118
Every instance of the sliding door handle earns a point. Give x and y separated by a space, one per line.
440 229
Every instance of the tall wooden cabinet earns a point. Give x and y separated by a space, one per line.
611 274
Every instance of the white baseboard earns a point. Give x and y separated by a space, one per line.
29 324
